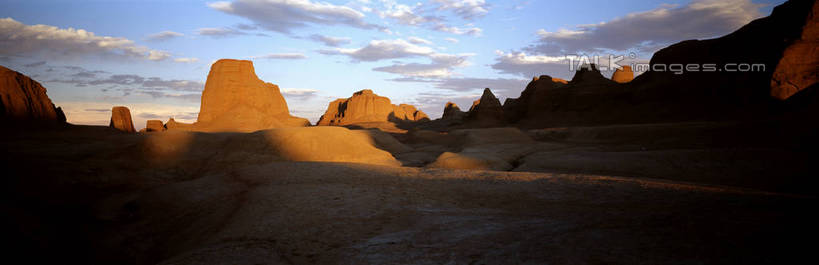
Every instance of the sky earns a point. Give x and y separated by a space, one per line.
154 56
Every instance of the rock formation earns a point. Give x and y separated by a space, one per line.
235 99
154 126
365 106
486 110
121 119
623 75
799 66
749 80
24 100
532 99
452 112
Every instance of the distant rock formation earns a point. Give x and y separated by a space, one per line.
235 99
487 110
178 126
532 99
623 75
24 100
365 106
154 126
121 119
452 112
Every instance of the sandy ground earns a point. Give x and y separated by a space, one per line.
91 195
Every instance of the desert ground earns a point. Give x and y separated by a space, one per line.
97 195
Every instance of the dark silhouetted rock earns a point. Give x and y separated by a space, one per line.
121 119
235 99
365 106
487 110
452 112
623 75
24 100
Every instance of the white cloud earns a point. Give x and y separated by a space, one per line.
383 49
57 43
285 15
164 35
219 32
649 30
473 31
283 56
416 40
330 41
466 9
426 16
299 93
518 63
186 60
451 40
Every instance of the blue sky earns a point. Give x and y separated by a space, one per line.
154 56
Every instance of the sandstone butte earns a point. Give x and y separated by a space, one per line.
154 126
623 75
24 100
365 106
236 100
121 119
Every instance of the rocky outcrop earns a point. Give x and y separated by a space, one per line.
799 67
486 110
623 75
24 100
532 99
452 112
235 99
121 119
749 80
365 106
154 126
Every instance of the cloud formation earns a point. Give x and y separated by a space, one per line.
649 30
426 15
219 32
283 15
164 35
466 9
521 64
330 41
378 50
299 93
51 42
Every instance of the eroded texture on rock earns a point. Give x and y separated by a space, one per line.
366 106
235 99
623 75
23 99
799 66
121 119
532 99
154 126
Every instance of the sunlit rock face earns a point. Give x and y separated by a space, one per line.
799 67
23 99
623 75
365 106
235 99
121 119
